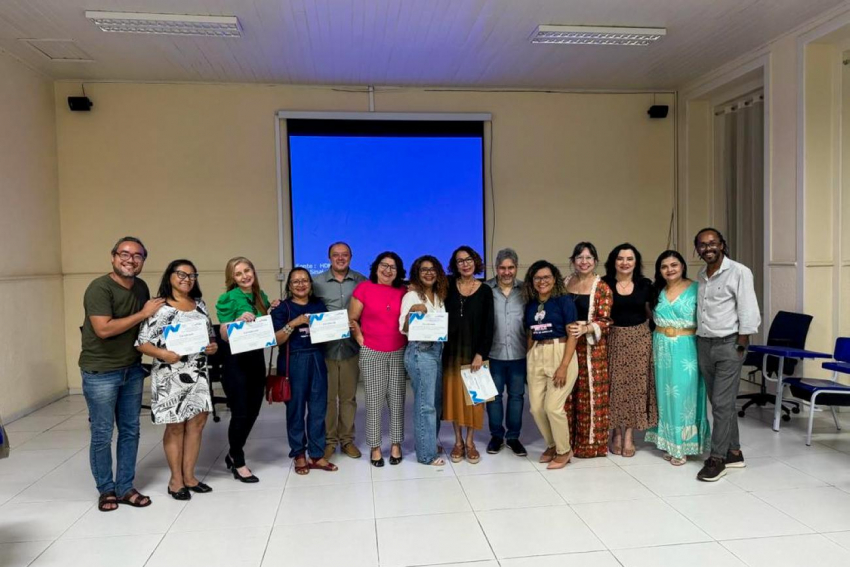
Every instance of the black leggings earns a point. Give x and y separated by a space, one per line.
244 383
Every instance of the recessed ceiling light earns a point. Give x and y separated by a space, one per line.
166 24
596 35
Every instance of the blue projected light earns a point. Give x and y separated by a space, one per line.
412 195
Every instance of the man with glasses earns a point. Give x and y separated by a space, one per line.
334 288
115 305
727 314
507 355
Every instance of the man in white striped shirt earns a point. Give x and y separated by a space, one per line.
727 314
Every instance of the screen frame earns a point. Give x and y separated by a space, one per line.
377 121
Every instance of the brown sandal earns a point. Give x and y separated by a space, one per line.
328 466
472 454
135 499
107 499
548 455
457 453
303 468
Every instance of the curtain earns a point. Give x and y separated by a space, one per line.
739 136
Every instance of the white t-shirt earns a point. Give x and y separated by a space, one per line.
412 298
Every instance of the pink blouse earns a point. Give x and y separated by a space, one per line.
379 320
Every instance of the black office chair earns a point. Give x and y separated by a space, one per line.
789 330
215 371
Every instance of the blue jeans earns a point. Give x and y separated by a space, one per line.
510 373
306 410
423 362
114 397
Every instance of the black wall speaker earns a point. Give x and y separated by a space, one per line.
79 103
658 111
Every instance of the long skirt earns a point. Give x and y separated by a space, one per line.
633 401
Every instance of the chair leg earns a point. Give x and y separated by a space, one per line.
811 420
835 418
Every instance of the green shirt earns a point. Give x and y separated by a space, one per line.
105 297
235 302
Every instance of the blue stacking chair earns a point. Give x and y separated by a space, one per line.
826 392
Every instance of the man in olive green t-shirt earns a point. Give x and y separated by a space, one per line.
113 377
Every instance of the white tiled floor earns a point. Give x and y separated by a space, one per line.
790 506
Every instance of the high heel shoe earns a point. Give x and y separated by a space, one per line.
182 494
228 462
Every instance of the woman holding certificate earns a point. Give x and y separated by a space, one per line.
244 373
423 358
308 375
374 312
471 322
551 361
178 338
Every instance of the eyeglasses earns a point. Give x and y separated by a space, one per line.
127 256
584 259
707 245
465 261
299 282
427 270
388 267
183 276
542 279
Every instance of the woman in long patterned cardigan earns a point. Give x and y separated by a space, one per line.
587 406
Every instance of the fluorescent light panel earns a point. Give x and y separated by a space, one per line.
596 35
166 24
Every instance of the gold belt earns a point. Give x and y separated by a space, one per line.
674 331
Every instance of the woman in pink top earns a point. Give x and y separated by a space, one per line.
374 311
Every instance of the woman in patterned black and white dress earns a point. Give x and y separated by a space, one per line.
180 392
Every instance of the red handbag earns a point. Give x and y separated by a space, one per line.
278 388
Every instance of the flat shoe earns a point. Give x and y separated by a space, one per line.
182 494
200 488
629 452
678 462
330 467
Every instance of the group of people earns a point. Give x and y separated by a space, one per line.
601 356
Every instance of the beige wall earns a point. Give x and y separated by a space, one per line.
811 282
31 301
190 169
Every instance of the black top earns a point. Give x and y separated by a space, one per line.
471 322
582 305
630 310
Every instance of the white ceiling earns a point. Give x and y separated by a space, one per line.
407 42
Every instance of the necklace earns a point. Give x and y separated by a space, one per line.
462 297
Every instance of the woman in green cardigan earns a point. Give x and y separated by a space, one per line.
244 377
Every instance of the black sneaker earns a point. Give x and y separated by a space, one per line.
713 470
517 447
495 445
733 461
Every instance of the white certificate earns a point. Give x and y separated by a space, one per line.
329 326
257 334
428 327
187 337
479 385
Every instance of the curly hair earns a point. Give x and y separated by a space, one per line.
559 289
479 263
399 273
441 285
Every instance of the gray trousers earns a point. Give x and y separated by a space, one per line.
720 365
